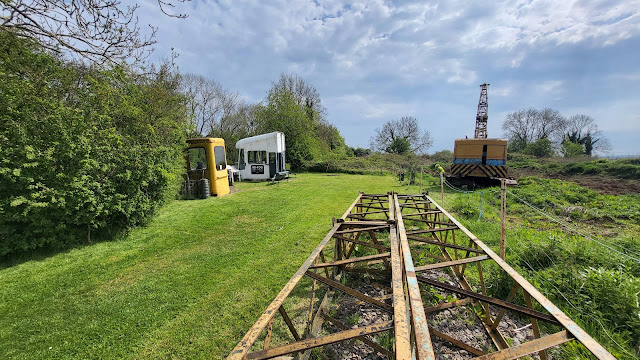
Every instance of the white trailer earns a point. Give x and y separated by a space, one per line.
261 157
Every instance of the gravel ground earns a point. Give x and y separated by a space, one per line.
458 322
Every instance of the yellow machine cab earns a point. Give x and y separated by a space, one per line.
206 168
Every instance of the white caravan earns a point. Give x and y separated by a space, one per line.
261 157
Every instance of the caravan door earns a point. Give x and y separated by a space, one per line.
272 164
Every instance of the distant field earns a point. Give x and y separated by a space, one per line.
192 282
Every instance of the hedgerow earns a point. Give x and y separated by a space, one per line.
83 151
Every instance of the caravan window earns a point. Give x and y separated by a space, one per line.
241 162
257 157
197 158
221 159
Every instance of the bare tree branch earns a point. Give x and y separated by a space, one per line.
406 128
100 31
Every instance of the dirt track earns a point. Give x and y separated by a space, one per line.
602 184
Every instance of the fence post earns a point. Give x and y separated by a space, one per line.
442 187
503 211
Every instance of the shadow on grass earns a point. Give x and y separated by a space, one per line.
47 251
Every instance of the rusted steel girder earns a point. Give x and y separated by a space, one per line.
379 235
443 228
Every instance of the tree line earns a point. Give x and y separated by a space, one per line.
544 132
87 150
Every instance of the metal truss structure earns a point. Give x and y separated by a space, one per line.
483 113
376 242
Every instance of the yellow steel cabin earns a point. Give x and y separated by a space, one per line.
479 159
206 168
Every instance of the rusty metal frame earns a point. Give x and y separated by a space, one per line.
443 228
396 228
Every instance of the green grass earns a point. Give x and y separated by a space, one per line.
620 168
189 285
192 282
600 285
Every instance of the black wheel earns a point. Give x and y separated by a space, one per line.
205 191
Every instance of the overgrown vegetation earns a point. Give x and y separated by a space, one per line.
620 168
588 279
83 150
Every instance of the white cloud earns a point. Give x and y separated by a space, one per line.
377 60
549 86
369 107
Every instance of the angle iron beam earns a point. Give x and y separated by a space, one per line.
447 305
383 272
490 300
401 325
363 243
430 212
351 260
287 320
367 206
426 231
320 341
457 343
348 231
425 221
414 203
451 263
585 339
367 213
366 222
363 338
424 347
347 290
440 243
355 202
530 347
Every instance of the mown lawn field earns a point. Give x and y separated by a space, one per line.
192 282
188 285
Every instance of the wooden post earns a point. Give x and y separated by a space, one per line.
442 187
503 212
421 170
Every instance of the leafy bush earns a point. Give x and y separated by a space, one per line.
571 149
463 207
81 149
542 148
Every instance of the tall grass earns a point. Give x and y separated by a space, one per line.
595 286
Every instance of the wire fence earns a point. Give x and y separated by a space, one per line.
519 252
607 244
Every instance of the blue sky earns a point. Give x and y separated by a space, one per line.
374 61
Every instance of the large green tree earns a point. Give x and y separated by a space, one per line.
294 107
283 113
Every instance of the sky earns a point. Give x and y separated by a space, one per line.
375 61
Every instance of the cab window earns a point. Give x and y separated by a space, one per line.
197 158
221 161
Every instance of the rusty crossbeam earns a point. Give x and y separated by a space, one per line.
380 235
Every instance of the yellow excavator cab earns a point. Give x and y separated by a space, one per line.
207 159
